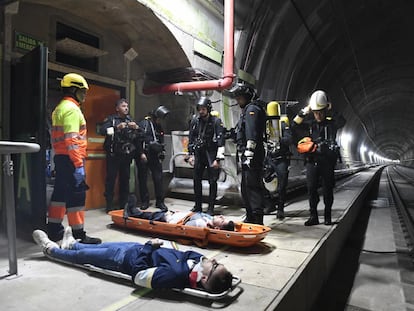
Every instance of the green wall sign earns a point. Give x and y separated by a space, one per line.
25 42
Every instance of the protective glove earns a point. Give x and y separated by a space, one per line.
220 153
248 154
79 175
304 111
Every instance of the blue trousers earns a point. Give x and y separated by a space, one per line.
109 256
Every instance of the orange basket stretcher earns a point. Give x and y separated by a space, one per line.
244 234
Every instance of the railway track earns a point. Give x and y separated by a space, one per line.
401 183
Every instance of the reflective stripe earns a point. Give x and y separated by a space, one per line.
54 220
72 147
57 128
75 209
77 227
70 135
57 203
57 139
144 277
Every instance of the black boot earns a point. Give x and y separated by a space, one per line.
161 206
249 216
280 211
269 206
55 231
313 219
130 206
269 210
145 205
196 209
210 210
109 206
258 219
328 219
85 239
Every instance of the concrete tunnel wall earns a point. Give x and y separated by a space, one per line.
358 52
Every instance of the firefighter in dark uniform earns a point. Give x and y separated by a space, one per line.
151 157
277 160
206 150
320 150
250 149
121 133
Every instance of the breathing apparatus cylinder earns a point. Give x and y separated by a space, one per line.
273 130
273 123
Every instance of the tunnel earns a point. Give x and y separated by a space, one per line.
359 52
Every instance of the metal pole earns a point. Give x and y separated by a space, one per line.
7 148
10 212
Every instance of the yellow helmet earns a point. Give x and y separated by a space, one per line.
215 113
74 80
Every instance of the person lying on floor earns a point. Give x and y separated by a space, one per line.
198 219
149 264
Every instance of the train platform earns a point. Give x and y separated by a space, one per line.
283 272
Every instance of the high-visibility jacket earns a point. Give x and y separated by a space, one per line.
69 131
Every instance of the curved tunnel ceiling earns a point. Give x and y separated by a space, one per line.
360 51
133 24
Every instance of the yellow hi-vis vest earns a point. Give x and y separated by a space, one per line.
69 131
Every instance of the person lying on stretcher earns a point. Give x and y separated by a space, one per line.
149 264
202 220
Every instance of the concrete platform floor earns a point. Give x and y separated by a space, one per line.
280 273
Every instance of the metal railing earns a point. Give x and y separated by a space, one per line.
7 148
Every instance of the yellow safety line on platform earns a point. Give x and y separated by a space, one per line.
136 294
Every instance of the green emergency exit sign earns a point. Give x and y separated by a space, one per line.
25 42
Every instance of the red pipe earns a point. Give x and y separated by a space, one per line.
228 76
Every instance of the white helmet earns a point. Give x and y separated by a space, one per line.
318 101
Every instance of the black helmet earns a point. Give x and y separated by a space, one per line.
245 90
204 102
161 112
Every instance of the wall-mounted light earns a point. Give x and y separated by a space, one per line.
131 54
345 138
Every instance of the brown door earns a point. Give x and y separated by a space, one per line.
100 102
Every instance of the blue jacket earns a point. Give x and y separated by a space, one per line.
163 267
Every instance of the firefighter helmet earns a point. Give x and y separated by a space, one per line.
204 102
318 101
245 90
161 112
74 80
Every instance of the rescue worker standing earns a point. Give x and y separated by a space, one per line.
121 134
320 150
69 142
277 160
206 150
151 157
250 149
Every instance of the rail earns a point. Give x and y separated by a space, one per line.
402 208
7 148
